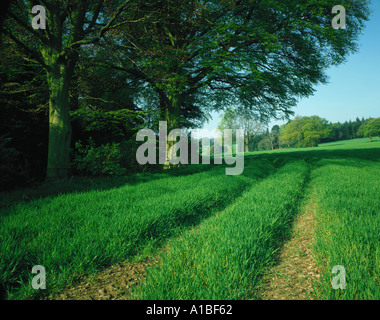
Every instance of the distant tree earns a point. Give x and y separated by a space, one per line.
240 118
355 127
290 133
360 132
266 142
345 130
275 137
305 131
370 128
269 140
335 127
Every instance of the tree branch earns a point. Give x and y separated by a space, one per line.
28 28
102 31
94 17
33 53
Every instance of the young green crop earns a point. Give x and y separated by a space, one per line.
225 250
225 255
348 224
76 234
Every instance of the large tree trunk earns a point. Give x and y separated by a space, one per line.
172 117
173 111
58 165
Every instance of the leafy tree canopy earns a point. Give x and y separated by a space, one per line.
305 131
370 128
262 55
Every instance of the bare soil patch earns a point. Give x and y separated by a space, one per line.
292 277
113 283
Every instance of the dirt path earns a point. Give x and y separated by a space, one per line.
291 278
113 283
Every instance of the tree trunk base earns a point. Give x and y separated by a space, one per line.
56 175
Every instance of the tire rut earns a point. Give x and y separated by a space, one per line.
291 278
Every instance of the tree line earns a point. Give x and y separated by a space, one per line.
303 132
74 94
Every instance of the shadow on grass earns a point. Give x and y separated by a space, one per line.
154 233
84 184
336 144
316 154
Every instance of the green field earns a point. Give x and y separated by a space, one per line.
220 232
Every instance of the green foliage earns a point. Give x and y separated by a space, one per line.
57 50
9 157
240 118
275 136
346 130
99 160
370 128
265 143
24 120
176 62
305 131
243 119
109 126
225 52
106 144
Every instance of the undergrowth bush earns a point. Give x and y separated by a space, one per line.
95 160
11 172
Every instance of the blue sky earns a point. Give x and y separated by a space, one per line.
354 87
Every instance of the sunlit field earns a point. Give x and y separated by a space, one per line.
219 233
